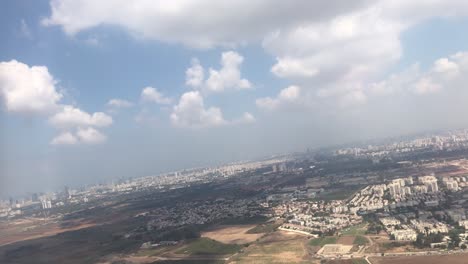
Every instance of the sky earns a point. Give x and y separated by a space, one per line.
92 91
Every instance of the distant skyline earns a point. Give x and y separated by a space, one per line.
100 90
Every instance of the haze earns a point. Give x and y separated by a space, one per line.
89 95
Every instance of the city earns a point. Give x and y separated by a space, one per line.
233 132
370 203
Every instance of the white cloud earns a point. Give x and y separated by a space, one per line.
32 90
212 23
150 94
70 117
90 136
426 85
291 67
119 103
317 44
348 47
65 138
446 66
229 76
445 73
191 112
226 78
246 118
288 96
25 89
87 135
195 75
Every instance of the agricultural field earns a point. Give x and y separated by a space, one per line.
346 240
323 241
360 241
357 230
452 259
207 246
277 247
265 228
232 234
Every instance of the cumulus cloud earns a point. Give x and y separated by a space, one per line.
70 117
25 89
119 103
349 47
191 112
87 135
342 56
195 75
90 136
228 77
32 90
65 138
319 45
246 118
287 96
150 94
445 73
292 67
212 23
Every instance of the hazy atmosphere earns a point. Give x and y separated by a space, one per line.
98 90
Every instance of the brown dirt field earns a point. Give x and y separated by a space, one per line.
345 240
277 247
452 259
32 229
232 234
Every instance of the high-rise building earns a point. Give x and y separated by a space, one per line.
430 182
409 180
394 189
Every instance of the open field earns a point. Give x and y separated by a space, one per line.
356 230
334 249
323 241
346 240
35 228
207 246
265 227
360 240
277 247
452 259
232 234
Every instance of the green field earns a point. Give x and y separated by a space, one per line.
359 261
274 248
335 194
357 230
264 228
189 261
206 246
322 241
360 240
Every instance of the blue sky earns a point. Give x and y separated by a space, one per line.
295 76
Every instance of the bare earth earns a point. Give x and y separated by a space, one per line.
277 247
452 259
346 240
232 234
32 228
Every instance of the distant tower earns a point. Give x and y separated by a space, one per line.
66 193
